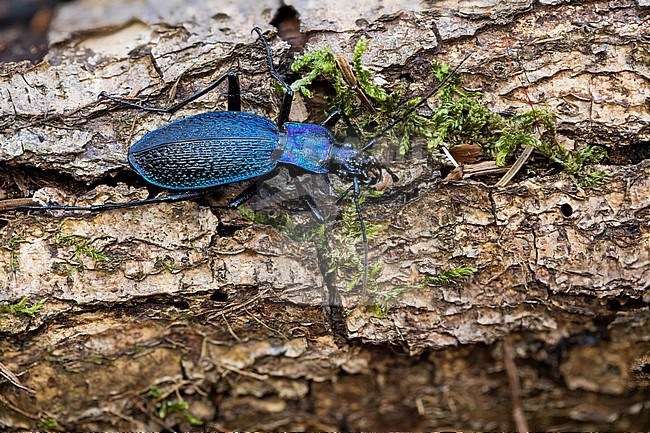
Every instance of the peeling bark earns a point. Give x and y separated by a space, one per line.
150 305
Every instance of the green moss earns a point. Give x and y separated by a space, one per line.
13 246
192 419
314 65
320 65
82 248
14 242
450 276
167 407
459 118
284 224
47 424
384 299
350 230
154 392
384 99
347 257
22 308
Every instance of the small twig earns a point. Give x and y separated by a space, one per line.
13 203
235 307
482 169
348 76
147 413
120 415
516 166
515 388
132 130
243 372
13 379
279 332
450 157
172 390
235 336
15 408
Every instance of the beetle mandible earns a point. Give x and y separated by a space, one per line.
193 155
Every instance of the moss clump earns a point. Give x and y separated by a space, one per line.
450 276
460 118
284 224
384 299
22 308
47 423
321 65
81 248
167 407
13 246
345 257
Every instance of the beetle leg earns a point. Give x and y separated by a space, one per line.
287 99
343 195
186 195
311 204
248 193
252 189
330 121
234 96
234 92
308 200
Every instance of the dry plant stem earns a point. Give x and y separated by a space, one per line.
13 203
11 377
515 388
481 169
348 76
516 166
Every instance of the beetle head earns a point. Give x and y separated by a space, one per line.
349 164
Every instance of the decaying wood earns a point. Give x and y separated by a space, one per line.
188 302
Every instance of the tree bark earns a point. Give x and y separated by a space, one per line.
153 306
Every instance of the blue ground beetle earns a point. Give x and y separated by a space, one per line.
193 155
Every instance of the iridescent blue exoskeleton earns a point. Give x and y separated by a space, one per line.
195 154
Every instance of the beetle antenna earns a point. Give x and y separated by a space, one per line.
435 90
355 195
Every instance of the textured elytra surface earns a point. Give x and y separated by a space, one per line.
235 319
206 150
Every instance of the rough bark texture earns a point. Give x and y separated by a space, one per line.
239 320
